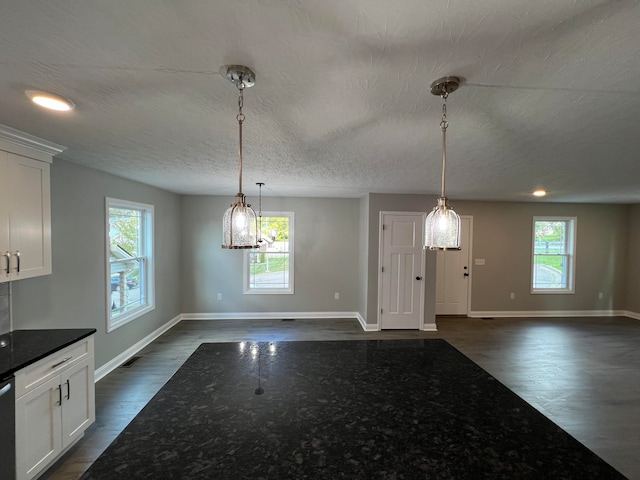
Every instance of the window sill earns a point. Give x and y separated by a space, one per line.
563 291
113 324
269 291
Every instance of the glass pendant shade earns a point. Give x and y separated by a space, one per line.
442 228
239 225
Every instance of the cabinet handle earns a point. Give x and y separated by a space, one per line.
59 394
60 363
18 261
68 390
7 255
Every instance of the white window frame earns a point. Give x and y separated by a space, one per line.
148 280
247 290
571 227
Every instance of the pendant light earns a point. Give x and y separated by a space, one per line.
239 222
442 227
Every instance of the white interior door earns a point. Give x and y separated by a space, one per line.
402 270
453 270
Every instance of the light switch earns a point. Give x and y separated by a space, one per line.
479 261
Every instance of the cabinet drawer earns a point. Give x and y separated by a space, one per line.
41 371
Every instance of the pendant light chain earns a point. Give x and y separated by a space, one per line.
443 125
240 117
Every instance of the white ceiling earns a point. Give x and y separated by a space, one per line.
341 105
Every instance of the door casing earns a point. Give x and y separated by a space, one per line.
422 215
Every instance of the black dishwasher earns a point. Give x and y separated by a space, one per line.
7 429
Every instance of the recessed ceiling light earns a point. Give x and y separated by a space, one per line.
50 101
539 193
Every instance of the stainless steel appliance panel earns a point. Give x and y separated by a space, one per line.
7 429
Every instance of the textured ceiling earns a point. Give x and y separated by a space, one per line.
341 105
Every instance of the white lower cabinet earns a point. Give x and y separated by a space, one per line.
55 410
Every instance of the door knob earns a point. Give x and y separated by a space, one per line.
418 278
465 274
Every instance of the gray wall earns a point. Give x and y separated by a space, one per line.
5 308
326 257
502 236
633 261
74 295
336 251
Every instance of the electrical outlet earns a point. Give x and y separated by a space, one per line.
219 296
336 296
512 296
600 295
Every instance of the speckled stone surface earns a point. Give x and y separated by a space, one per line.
406 409
21 348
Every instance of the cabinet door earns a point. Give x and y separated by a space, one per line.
38 429
78 405
4 216
30 210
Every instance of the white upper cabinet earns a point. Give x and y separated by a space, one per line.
25 205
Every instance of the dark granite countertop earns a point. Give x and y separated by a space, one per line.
21 348
341 410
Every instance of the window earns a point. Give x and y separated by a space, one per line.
553 254
269 268
130 286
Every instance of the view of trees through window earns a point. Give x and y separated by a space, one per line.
270 264
552 253
124 227
126 259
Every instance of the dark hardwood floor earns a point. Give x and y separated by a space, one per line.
582 373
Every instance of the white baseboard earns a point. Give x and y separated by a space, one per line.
549 313
633 315
269 315
114 363
367 327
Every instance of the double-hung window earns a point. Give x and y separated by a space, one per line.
269 268
553 259
129 253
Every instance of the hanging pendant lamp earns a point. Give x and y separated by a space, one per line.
442 227
239 222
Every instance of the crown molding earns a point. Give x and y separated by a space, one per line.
12 135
